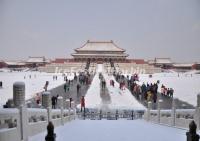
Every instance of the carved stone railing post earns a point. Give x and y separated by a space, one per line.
67 104
73 107
159 108
173 112
19 102
60 105
149 111
23 122
197 112
19 94
46 103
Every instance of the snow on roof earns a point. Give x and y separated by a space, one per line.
36 60
14 63
150 61
99 46
183 65
162 61
62 60
99 54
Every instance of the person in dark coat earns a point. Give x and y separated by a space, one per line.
78 86
53 102
154 97
65 88
70 102
113 83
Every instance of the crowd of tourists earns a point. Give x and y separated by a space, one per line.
121 80
169 92
145 92
84 78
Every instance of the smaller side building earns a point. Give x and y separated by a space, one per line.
15 64
196 66
164 63
2 64
183 66
36 61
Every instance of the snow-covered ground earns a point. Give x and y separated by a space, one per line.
33 85
119 99
112 130
93 99
186 86
100 68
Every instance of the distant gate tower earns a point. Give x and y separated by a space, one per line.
100 51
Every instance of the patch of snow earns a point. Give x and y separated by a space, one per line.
33 85
114 130
121 99
99 68
92 98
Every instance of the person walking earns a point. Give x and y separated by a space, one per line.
113 83
46 85
82 103
37 99
53 102
78 88
70 102
66 87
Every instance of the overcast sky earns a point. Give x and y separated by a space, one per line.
145 28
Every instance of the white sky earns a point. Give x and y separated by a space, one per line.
145 28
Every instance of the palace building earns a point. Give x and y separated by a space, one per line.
99 52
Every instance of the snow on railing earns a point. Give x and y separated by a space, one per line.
11 121
180 113
36 115
174 117
95 114
19 123
9 118
37 120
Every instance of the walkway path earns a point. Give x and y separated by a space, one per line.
116 130
96 98
72 93
110 98
121 99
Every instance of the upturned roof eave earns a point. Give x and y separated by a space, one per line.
80 48
77 50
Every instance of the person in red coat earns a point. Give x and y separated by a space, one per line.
82 103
